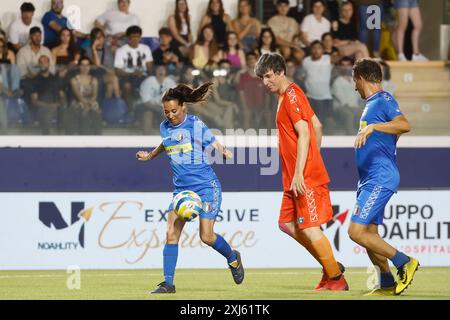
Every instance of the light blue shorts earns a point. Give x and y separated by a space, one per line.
404 4
370 204
211 195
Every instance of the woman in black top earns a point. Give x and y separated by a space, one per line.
221 21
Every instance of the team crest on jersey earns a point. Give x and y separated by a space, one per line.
387 97
178 137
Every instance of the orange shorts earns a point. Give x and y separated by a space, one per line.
309 210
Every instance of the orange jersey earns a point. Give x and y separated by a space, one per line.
293 106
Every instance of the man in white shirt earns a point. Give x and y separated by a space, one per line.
19 30
317 68
151 92
116 22
132 63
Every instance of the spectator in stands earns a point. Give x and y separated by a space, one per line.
328 47
53 22
206 51
66 51
267 42
253 96
246 26
48 97
191 76
10 72
347 102
168 53
332 10
317 68
286 30
132 63
408 9
345 34
220 21
19 30
180 27
151 92
115 22
3 113
364 20
7 56
314 25
84 116
232 51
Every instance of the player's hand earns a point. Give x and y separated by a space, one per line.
298 185
363 135
144 156
227 154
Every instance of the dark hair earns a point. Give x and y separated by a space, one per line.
164 31
273 45
73 48
27 7
185 94
95 32
35 30
386 70
313 2
84 58
316 42
326 34
226 48
270 61
368 69
209 11
134 30
248 54
239 4
178 21
282 1
346 59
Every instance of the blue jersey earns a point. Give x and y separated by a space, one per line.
376 160
185 145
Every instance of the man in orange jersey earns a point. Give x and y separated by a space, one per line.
306 199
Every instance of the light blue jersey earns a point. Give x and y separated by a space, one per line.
376 160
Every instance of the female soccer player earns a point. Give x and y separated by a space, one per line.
185 138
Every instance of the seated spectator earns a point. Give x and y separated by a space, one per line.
180 27
115 22
206 51
267 42
168 53
286 31
218 19
317 68
246 26
232 52
151 92
48 98
314 25
7 56
364 15
328 47
347 102
253 96
66 51
3 113
53 22
132 62
10 72
191 76
19 30
83 115
332 10
345 34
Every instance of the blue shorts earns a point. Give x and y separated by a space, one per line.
370 204
211 195
404 4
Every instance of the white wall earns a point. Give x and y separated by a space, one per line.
153 14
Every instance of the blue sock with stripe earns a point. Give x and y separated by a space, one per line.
221 246
399 259
170 254
386 280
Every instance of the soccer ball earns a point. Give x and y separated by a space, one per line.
187 205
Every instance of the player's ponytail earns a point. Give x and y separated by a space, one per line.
185 94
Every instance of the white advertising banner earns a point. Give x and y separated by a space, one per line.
127 230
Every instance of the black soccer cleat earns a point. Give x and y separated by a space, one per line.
237 269
164 287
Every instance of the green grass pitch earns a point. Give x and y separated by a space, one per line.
211 284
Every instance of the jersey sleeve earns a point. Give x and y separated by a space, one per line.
391 110
299 107
207 136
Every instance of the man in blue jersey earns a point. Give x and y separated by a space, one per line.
381 125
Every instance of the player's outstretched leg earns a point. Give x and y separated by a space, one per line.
218 243
170 254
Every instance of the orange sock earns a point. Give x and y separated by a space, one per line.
305 242
325 256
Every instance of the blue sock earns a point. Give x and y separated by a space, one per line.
399 259
224 249
170 254
386 280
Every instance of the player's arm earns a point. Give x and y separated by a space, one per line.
222 149
317 125
145 156
304 137
396 126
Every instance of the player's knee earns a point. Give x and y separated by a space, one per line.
355 235
172 236
207 238
284 228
